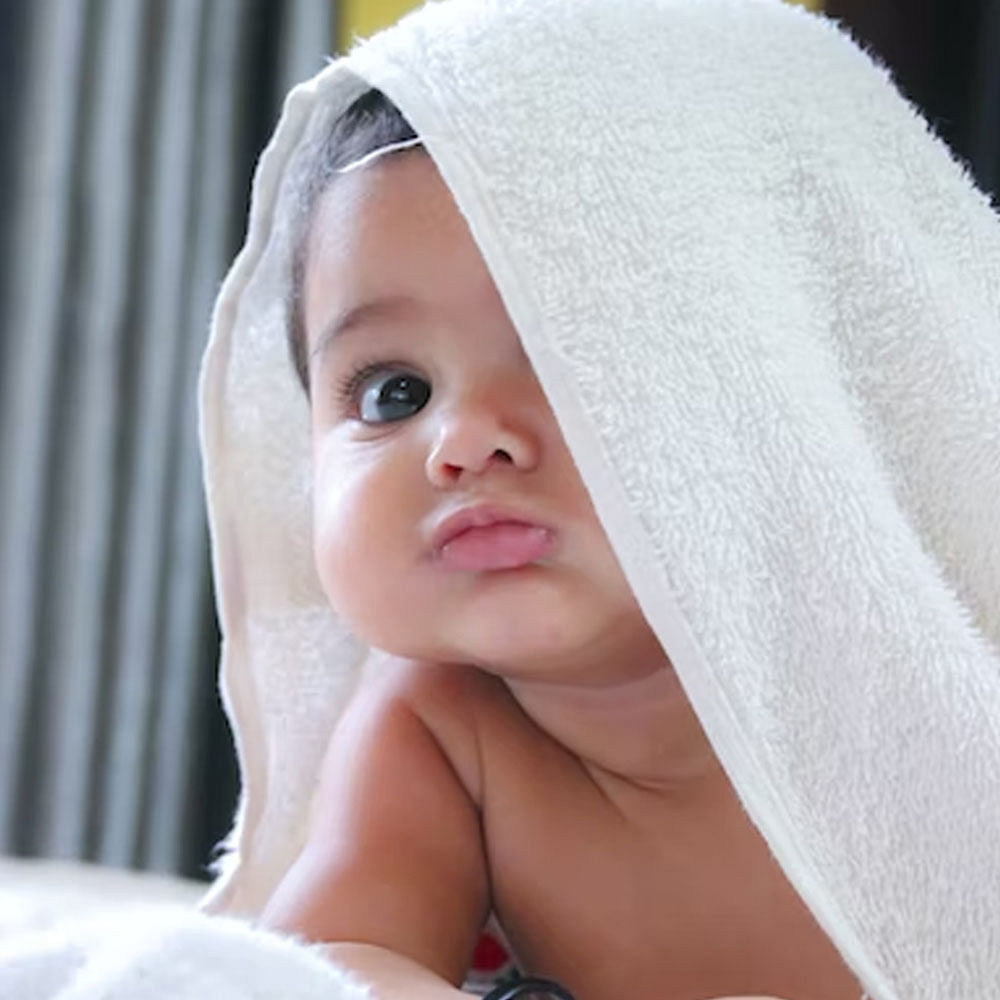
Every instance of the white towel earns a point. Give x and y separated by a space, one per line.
764 303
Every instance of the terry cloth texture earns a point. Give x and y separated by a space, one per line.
764 303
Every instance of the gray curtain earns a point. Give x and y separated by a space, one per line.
129 132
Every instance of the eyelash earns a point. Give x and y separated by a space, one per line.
349 384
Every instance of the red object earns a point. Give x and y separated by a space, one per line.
490 955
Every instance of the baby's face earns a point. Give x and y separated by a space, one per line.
425 409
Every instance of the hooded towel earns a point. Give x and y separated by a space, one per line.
764 303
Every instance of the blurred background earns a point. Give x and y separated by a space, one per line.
130 129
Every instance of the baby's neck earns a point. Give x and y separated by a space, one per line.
640 731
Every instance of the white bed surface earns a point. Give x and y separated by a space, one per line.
38 895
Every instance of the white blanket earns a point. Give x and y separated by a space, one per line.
166 953
73 931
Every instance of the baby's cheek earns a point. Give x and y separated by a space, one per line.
336 543
351 545
369 503
329 555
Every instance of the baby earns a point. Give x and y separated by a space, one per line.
525 750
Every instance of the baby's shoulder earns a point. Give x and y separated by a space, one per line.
453 702
439 693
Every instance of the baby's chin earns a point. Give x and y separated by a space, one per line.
538 650
556 623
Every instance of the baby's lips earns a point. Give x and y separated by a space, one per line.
502 545
477 515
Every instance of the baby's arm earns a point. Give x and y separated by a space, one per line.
394 858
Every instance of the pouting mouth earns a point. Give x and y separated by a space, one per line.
480 516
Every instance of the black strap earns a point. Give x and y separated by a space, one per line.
524 987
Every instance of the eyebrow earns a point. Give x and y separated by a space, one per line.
362 314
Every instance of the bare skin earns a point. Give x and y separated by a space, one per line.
526 749
456 801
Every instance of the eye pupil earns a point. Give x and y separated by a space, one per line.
394 398
396 390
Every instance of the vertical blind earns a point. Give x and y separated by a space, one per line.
135 127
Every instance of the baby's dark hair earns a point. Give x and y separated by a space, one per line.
371 122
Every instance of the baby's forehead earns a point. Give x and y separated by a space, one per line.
391 188
391 232
394 205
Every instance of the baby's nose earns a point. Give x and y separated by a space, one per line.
474 437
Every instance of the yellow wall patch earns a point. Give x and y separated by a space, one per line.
360 18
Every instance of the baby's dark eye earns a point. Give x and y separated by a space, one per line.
385 396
